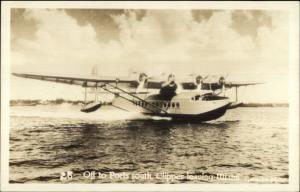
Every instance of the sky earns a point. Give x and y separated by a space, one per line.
244 45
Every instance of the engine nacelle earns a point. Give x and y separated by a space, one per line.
142 77
171 80
221 80
141 80
198 80
168 89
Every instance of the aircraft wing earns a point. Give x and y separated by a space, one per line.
239 84
85 81
91 81
215 85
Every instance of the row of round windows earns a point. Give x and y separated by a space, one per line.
159 104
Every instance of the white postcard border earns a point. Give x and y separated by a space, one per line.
291 7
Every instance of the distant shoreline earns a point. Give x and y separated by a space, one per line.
28 102
35 102
264 105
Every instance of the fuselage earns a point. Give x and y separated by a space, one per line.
181 106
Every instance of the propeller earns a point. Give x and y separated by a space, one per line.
221 80
142 77
171 80
198 79
169 87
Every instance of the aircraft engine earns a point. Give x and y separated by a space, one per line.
168 89
141 80
171 80
198 79
142 77
198 82
221 81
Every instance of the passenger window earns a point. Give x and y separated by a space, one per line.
173 105
177 105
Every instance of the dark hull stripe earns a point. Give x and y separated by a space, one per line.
91 109
207 116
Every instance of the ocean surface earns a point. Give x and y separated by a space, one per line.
59 144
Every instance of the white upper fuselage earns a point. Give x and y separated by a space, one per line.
185 103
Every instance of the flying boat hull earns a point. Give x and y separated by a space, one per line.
182 107
201 117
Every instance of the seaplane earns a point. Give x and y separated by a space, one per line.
195 98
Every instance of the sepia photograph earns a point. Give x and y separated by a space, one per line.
164 96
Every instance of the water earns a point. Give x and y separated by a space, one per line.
247 145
